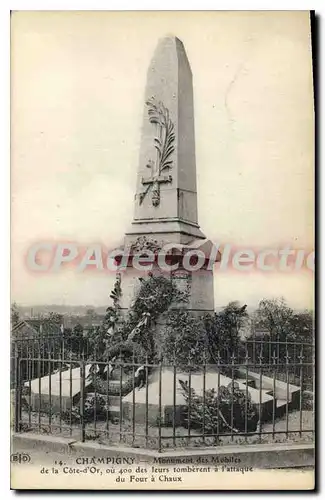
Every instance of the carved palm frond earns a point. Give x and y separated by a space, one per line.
154 111
159 114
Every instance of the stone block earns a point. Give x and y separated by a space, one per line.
42 397
283 391
167 402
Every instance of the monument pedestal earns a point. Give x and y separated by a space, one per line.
176 262
199 286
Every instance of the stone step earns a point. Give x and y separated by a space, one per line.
282 390
113 383
281 407
250 382
280 400
114 400
114 411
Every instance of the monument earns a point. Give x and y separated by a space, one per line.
165 203
165 213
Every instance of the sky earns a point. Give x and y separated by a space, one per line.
77 92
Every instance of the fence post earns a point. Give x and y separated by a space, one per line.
203 392
233 361
189 366
82 400
17 391
159 403
147 399
133 397
260 394
287 358
301 358
216 438
246 393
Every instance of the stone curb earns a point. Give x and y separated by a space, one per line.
260 456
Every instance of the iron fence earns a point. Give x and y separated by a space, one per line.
61 346
52 346
273 351
247 396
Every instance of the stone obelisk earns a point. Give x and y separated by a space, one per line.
166 197
165 205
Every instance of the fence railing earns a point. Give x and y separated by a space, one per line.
246 397
60 346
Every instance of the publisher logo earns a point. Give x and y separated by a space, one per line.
19 458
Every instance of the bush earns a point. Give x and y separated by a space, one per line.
224 410
96 405
223 331
184 340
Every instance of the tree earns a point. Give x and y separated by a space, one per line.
223 330
302 334
51 323
184 339
282 323
74 339
91 315
302 327
14 314
283 331
273 316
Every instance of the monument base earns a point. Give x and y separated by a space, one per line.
148 402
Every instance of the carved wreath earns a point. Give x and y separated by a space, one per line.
145 243
159 114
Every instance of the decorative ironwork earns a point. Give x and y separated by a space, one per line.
163 142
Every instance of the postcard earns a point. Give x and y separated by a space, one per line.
162 243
